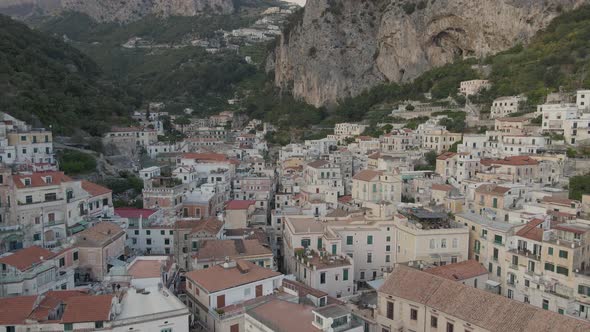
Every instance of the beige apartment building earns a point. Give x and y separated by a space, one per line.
421 235
412 300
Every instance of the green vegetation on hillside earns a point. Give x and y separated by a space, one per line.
167 67
579 185
557 57
73 162
46 82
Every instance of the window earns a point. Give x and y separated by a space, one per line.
369 239
166 241
29 199
549 267
62 262
37 237
450 327
498 239
563 254
413 314
562 270
305 243
433 321
148 241
68 327
320 243
496 254
498 271
323 278
50 197
432 244
76 256
550 251
527 283
98 325
388 239
369 257
584 290
168 329
455 243
362 275
162 232
136 232
387 258
545 304
345 274
349 240
148 232
389 310
319 320
443 243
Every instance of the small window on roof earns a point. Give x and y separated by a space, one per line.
27 181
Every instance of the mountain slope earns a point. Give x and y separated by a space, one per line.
116 10
44 80
339 48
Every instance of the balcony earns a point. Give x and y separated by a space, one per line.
525 253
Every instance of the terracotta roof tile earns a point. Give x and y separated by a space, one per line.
234 249
15 310
532 231
466 303
39 179
98 234
284 316
446 156
81 309
239 205
26 258
134 213
459 271
559 201
217 278
442 187
318 163
94 189
367 175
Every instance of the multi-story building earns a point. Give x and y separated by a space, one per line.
349 129
414 300
217 295
100 246
421 235
214 252
35 270
376 186
323 177
504 106
473 87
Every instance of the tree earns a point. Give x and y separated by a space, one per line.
430 157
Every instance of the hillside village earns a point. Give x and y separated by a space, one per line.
409 228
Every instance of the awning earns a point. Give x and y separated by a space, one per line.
77 229
376 284
492 283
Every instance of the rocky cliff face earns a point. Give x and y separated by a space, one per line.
117 10
338 48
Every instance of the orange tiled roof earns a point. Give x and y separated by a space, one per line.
94 189
15 310
217 278
27 257
79 309
459 271
38 179
532 231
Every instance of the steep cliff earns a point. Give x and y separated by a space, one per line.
338 48
116 10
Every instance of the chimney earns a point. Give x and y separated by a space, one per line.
242 267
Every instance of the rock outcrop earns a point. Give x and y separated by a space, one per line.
117 10
338 48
